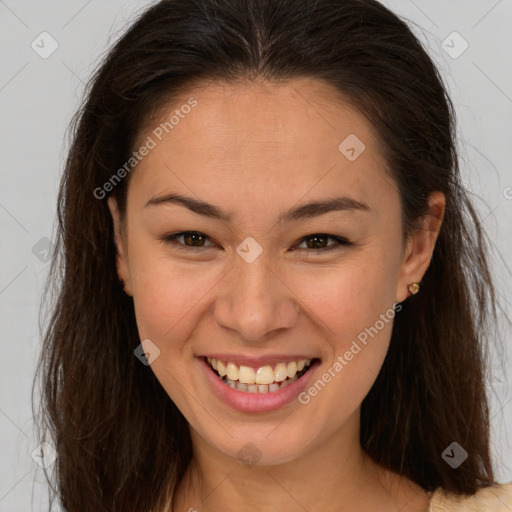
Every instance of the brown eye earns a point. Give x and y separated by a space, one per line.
196 240
318 240
191 240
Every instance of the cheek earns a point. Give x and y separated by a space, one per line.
352 307
355 316
166 296
351 296
343 299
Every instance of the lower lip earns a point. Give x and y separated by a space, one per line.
256 402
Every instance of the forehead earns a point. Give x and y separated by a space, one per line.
281 138
254 113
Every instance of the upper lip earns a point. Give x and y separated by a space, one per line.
257 362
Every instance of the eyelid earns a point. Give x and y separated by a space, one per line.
340 241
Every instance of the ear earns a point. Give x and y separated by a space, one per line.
420 246
121 259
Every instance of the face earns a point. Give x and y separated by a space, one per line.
259 288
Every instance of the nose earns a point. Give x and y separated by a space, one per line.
254 301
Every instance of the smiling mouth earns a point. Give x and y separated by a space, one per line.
259 380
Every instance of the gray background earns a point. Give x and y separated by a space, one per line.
39 95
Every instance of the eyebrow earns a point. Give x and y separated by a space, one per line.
305 211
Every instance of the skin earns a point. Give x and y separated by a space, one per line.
257 150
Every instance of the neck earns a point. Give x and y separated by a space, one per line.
335 474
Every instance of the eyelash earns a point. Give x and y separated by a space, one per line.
340 241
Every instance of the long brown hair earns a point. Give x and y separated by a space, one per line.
121 442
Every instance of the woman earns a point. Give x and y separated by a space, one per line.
274 288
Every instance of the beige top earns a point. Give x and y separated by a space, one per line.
497 498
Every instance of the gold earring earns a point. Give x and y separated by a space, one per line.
414 288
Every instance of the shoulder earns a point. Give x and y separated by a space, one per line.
497 498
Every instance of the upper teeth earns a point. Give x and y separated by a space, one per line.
262 375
